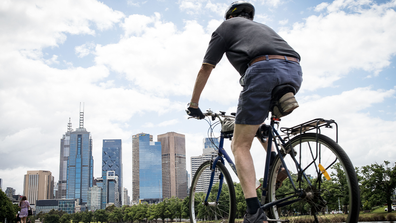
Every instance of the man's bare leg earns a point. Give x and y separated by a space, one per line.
241 143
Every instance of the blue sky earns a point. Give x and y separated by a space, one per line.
133 65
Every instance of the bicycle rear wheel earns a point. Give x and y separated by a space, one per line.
317 194
222 209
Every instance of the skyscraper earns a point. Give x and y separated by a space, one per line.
112 161
209 150
146 168
38 185
79 164
64 157
174 179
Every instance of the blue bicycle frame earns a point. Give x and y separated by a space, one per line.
223 154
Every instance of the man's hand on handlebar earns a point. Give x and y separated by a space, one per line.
195 113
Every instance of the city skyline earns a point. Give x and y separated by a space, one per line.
134 63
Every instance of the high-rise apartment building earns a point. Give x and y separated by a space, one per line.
79 172
174 179
209 150
38 185
112 161
146 169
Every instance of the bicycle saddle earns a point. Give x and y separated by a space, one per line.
283 100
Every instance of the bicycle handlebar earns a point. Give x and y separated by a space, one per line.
210 113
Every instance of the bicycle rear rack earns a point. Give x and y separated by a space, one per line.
314 124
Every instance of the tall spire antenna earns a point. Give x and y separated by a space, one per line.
81 117
69 126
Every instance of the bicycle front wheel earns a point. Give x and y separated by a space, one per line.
221 203
323 181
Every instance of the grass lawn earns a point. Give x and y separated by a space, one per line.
378 214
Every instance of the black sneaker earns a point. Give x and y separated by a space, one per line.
258 217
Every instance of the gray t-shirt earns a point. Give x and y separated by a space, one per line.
244 40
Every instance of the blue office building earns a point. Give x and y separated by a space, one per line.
146 169
79 164
112 163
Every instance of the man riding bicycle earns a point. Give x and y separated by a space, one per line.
264 61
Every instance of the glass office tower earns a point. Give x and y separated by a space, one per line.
112 161
146 169
79 164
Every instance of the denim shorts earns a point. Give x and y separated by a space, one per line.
258 82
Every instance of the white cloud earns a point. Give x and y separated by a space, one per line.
335 43
190 6
168 123
283 22
271 3
156 56
84 50
43 23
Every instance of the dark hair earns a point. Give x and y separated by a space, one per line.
23 199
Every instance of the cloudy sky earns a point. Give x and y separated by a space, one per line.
133 65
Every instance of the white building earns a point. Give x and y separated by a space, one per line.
210 147
94 198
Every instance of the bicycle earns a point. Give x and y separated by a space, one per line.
316 166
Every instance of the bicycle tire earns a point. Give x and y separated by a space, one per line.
342 186
223 210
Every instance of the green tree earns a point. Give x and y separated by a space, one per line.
116 215
175 208
378 184
129 213
100 215
141 211
87 216
162 209
7 210
51 218
76 217
152 213
186 207
240 200
110 208
65 218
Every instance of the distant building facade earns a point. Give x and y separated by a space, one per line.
146 169
10 192
94 198
112 164
174 179
209 150
66 205
126 200
38 185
